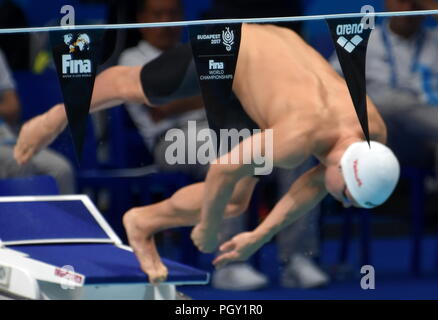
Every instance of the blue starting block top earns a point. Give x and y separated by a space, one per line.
106 263
70 231
38 220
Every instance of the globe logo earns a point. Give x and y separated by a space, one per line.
82 42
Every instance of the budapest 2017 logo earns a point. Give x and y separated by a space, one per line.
76 46
228 38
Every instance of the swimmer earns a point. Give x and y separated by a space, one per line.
282 84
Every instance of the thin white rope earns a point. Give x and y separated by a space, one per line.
218 21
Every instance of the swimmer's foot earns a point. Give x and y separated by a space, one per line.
140 231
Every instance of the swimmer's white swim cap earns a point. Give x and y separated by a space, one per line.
370 174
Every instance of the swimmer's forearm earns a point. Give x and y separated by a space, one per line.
112 87
303 196
55 119
279 220
219 187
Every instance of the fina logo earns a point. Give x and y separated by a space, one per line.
81 44
347 29
212 65
228 38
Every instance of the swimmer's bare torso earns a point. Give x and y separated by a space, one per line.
281 79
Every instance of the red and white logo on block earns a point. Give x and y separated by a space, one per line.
67 273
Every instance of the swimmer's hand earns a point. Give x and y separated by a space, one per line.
205 239
239 248
37 134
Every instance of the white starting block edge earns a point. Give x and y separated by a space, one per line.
113 238
24 277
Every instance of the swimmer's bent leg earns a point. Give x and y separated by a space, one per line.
171 76
182 209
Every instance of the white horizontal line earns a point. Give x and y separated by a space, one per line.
58 241
217 21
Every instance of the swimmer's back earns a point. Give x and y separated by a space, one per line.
277 68
279 74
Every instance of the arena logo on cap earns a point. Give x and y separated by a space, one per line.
78 46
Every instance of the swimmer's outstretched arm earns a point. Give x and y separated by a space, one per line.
303 195
170 77
112 87
289 147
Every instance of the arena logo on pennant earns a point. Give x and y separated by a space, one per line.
355 30
350 37
343 30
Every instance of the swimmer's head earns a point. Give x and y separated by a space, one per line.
368 175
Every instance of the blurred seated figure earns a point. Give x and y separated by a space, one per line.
402 79
153 123
16 47
46 162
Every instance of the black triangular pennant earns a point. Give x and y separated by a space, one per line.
76 55
215 50
350 37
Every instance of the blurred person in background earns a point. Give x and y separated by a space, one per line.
402 79
153 123
46 162
16 47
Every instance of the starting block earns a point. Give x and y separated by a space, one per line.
61 247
